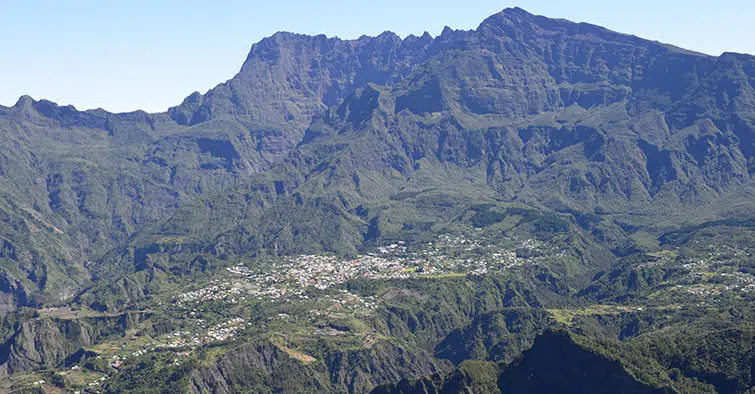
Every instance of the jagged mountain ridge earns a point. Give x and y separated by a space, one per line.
551 113
630 159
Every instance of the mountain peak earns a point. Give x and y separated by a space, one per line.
516 11
24 101
446 31
517 22
518 16
272 47
388 34
25 105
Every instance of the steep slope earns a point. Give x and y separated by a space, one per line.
470 377
256 368
495 336
45 343
559 364
289 78
723 359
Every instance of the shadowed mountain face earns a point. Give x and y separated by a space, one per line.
561 362
327 144
556 363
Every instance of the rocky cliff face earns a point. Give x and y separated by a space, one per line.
45 343
265 365
13 294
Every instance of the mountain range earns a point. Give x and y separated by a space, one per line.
601 142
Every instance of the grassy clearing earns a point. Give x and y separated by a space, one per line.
303 357
566 316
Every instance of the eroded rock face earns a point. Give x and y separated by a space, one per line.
266 365
12 293
46 342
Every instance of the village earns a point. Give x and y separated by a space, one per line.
292 278
191 339
711 274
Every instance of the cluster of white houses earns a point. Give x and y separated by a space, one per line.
292 277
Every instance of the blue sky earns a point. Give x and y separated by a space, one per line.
123 55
